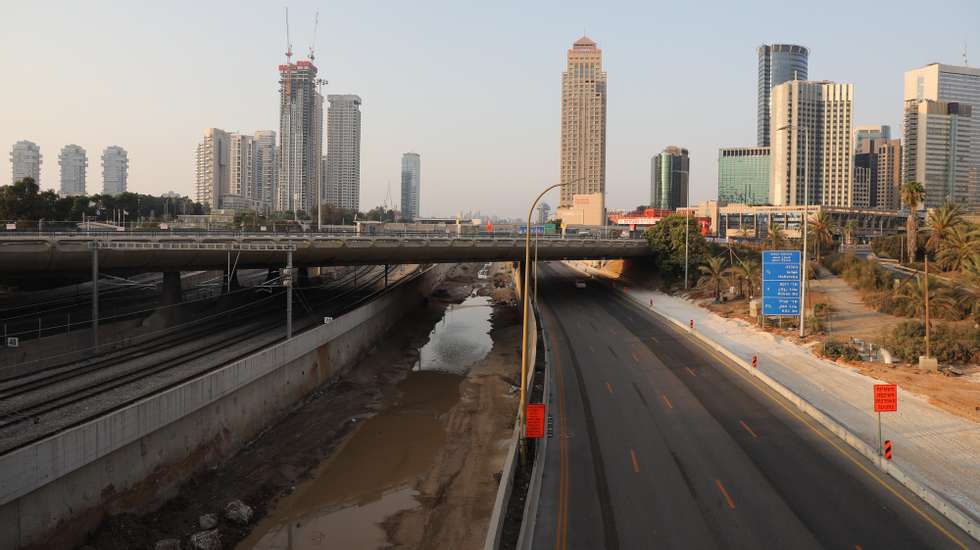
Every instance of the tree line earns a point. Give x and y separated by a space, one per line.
25 202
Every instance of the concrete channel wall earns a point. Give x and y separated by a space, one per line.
55 491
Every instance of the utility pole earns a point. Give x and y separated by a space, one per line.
289 294
95 296
806 215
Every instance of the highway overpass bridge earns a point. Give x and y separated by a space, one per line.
34 254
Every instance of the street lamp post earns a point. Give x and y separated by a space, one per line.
806 209
524 296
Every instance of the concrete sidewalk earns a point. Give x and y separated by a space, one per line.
933 447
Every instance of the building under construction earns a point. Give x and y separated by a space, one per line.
300 137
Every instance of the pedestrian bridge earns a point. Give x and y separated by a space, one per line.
22 254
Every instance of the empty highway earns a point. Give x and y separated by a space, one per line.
661 443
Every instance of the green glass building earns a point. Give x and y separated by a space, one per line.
743 175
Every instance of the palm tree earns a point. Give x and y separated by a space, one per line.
968 293
942 223
911 294
960 247
821 231
776 239
912 194
713 273
749 272
849 229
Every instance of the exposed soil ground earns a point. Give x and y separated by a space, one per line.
456 492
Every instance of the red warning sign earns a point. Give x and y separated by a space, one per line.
886 398
534 421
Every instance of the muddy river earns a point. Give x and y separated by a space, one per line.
371 477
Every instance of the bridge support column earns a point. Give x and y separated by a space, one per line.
171 294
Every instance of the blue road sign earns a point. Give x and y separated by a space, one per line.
781 282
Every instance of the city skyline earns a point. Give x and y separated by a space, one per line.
645 110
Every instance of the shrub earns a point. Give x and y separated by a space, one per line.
949 343
834 349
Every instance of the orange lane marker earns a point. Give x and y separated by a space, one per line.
689 371
635 358
725 494
609 387
858 547
747 428
636 465
667 401
654 338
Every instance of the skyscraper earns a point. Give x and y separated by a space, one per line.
73 162
411 185
818 114
115 170
669 176
241 166
343 179
877 168
942 133
876 132
583 123
266 167
212 173
25 160
300 137
743 175
889 174
778 63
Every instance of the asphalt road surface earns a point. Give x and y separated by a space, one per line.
659 442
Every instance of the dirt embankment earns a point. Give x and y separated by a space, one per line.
456 490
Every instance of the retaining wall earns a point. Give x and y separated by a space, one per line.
56 491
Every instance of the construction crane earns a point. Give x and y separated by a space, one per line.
316 23
289 45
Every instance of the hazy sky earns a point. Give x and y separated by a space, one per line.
474 87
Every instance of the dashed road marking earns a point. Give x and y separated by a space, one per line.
728 498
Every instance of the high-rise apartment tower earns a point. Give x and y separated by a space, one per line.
73 163
411 185
115 170
25 161
266 167
778 63
343 177
583 123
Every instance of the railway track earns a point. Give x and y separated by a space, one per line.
41 395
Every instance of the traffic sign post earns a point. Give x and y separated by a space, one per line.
781 283
534 421
885 400
888 449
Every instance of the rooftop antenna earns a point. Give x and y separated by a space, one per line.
965 63
289 45
316 23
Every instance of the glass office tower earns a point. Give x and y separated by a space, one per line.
743 175
778 63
